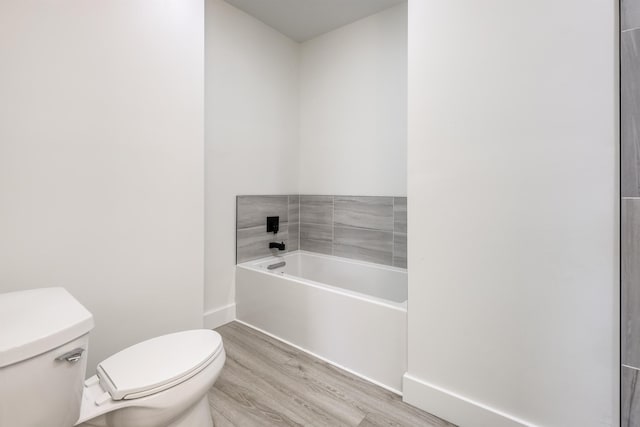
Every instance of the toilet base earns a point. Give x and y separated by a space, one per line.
198 416
184 405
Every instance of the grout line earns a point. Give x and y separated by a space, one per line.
351 227
333 223
393 227
631 367
299 221
315 223
630 198
630 29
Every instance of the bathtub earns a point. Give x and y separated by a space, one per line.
352 314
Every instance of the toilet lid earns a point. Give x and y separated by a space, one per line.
159 363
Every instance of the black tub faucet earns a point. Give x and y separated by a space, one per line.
276 245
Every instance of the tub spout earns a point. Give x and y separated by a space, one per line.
276 245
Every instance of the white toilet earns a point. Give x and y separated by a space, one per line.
162 382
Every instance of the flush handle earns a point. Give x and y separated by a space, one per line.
72 356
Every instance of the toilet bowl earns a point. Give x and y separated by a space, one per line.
161 382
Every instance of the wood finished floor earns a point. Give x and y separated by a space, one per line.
268 383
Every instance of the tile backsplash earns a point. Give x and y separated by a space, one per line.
252 239
366 228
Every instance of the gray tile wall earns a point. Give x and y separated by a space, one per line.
631 282
252 239
630 209
630 111
365 228
630 408
629 14
294 223
316 223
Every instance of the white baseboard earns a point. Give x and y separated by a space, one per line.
453 407
220 316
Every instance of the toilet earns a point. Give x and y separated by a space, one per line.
44 337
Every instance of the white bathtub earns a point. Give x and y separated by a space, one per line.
350 313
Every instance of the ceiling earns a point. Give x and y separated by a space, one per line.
302 20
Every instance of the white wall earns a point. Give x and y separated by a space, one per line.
513 248
275 121
251 132
101 171
353 95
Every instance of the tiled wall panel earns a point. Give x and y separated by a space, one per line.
630 408
252 210
400 250
630 210
631 282
316 224
400 232
630 111
400 215
316 210
316 238
363 244
629 14
294 223
253 243
374 213
252 239
365 228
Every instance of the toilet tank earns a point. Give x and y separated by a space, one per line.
43 357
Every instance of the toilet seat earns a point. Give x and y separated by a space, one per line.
163 364
157 364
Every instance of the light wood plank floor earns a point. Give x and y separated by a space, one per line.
268 383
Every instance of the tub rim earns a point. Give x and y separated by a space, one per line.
253 266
